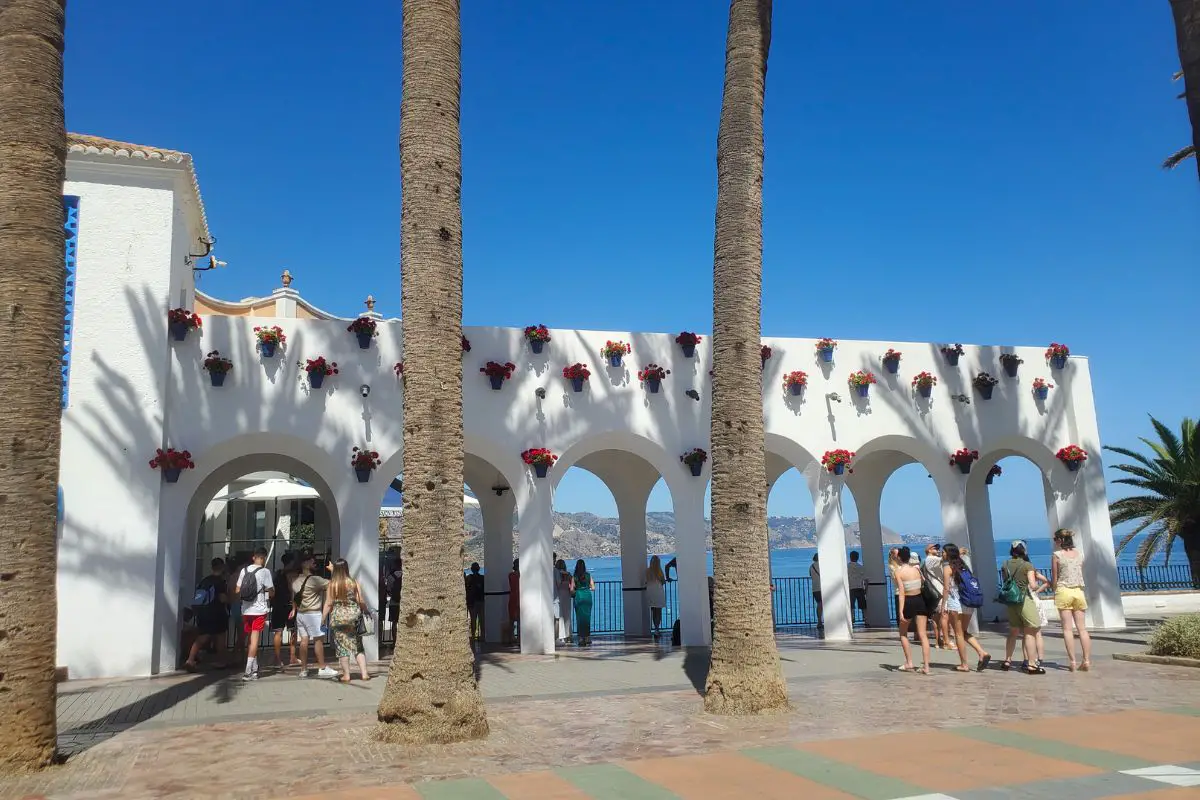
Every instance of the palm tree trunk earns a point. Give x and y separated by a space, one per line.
33 150
431 693
1190 536
744 675
1187 37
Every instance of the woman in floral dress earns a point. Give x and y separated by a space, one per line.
344 610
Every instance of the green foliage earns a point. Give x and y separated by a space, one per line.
1170 478
303 536
1178 636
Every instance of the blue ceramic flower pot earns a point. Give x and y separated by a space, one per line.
497 382
217 378
1042 392
925 391
364 340
864 389
697 468
796 389
689 350
827 354
986 392
1058 362
171 475
614 361
363 475
952 359
653 385
316 379
179 331
540 470
892 365
577 384
1010 368
1073 466
964 467
536 345
268 349
839 469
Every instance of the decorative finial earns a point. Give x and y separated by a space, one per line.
370 303
286 277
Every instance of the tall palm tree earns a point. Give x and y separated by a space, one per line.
431 693
33 151
744 676
1187 40
1170 508
1184 153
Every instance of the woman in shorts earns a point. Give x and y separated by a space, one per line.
912 610
1023 620
1066 576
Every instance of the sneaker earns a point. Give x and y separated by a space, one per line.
250 676
302 674
327 672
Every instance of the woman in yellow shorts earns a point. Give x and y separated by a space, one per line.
1066 576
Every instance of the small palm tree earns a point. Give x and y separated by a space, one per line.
1170 508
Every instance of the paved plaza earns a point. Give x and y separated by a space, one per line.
624 720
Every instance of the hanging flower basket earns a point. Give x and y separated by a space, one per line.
985 383
1041 388
398 368
318 368
891 361
837 461
688 341
794 382
652 375
540 459
498 373
180 322
992 473
952 353
825 348
538 337
1010 362
269 339
364 462
172 462
1073 456
862 381
218 367
1057 354
963 459
694 459
466 344
577 373
765 352
924 382
615 352
364 329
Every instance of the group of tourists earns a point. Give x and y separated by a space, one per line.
942 593
249 602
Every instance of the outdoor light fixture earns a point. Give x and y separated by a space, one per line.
692 393
541 395
499 490
835 397
364 390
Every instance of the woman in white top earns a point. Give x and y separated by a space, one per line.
564 586
1066 576
656 593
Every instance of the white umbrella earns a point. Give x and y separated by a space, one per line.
273 489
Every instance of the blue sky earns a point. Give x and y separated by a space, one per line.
935 172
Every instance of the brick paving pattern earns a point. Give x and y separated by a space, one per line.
625 721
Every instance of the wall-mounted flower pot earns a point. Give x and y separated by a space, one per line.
316 379
1010 368
1073 466
892 365
952 359
364 340
217 378
614 361
536 345
988 480
1042 392
497 382
540 470
839 469
268 349
796 389
1058 362
863 389
179 331
171 475
689 350
985 391
964 467
925 391
826 354
363 475
653 386
696 468
577 384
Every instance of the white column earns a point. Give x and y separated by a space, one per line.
831 549
359 526
692 559
983 548
497 559
631 509
870 529
536 523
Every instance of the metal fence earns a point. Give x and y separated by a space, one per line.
1157 578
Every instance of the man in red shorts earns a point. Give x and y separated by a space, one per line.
256 590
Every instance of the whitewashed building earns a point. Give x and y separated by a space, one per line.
130 542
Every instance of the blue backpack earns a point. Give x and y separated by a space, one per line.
969 592
205 595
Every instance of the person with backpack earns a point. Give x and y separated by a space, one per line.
208 610
1018 589
961 597
255 588
283 615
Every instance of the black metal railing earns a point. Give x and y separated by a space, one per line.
1157 578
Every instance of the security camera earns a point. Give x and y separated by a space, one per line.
364 390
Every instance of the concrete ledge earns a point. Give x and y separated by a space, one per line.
1146 658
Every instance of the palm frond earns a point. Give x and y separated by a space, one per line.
1149 546
1168 438
1167 548
1136 456
1179 156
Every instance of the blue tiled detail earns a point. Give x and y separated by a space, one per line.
71 228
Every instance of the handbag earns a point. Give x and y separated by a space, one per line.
362 628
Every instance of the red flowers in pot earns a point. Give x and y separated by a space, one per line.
540 458
172 462
498 373
836 461
695 459
963 459
364 462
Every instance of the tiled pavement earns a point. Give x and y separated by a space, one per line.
624 722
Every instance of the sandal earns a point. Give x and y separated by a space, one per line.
906 668
1035 669
983 663
924 670
1006 665
1086 666
962 668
